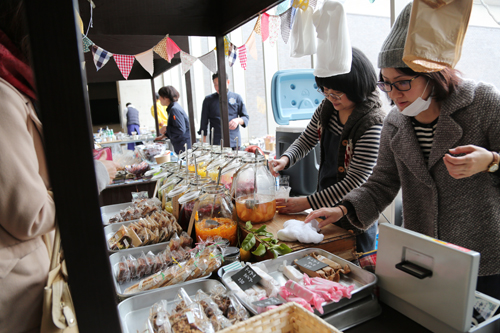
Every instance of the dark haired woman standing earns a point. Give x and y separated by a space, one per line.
347 124
177 129
440 146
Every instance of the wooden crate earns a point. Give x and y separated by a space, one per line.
337 240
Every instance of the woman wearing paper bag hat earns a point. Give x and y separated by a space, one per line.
439 144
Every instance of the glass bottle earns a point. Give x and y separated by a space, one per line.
214 215
254 190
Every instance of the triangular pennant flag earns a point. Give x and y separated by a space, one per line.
285 24
242 54
292 17
257 26
233 54
250 44
124 63
100 56
172 49
313 3
146 61
187 61
87 43
226 46
209 61
161 48
302 4
274 29
264 26
282 7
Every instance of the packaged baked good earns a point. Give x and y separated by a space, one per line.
158 321
122 272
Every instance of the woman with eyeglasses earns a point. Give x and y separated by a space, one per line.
347 125
440 146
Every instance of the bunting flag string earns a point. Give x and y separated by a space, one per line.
124 63
209 60
268 26
264 26
145 59
161 48
187 61
87 43
286 18
250 45
274 29
256 28
101 56
242 54
172 49
233 54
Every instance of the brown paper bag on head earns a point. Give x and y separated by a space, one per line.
435 36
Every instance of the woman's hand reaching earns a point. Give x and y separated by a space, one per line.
331 215
475 160
275 166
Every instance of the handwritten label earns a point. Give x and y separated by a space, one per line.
246 278
268 302
309 262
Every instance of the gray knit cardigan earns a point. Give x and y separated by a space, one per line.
465 212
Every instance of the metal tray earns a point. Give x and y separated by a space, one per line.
115 258
111 229
363 281
134 311
109 211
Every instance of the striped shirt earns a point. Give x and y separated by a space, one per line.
364 158
425 136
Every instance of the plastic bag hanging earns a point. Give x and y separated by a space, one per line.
435 36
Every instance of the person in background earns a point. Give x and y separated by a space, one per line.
210 115
133 124
439 145
177 128
162 112
347 125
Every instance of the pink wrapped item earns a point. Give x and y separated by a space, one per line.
300 301
308 295
334 286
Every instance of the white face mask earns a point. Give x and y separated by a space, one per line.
419 105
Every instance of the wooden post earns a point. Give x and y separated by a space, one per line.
157 123
221 65
77 204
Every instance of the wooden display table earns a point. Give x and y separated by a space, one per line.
337 240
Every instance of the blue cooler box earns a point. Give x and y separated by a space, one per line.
294 99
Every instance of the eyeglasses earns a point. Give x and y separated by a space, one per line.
403 85
337 97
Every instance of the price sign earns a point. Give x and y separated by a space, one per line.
267 302
311 263
246 278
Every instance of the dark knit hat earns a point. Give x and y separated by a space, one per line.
391 54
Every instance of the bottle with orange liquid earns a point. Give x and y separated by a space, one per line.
254 190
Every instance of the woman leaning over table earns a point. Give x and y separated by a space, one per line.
439 145
347 125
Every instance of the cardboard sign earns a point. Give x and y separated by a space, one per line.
310 263
267 302
246 278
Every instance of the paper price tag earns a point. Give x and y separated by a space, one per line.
246 278
268 302
311 263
